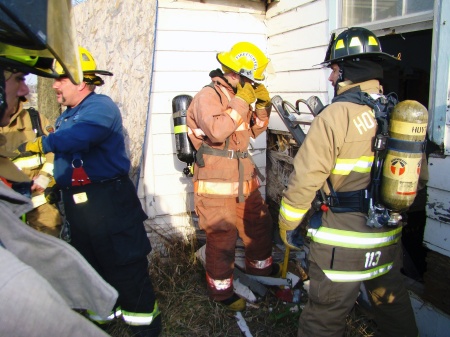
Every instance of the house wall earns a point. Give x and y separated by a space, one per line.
298 35
123 46
189 34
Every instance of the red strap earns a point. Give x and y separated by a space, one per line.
7 183
79 177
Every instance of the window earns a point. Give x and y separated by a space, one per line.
355 12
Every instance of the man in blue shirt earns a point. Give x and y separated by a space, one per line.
100 201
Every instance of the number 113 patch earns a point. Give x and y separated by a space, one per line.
372 259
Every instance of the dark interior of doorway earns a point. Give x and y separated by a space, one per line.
410 79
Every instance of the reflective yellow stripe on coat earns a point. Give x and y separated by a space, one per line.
235 116
291 213
345 166
29 162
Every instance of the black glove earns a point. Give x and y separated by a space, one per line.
52 194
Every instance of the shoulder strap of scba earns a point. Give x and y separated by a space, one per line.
35 121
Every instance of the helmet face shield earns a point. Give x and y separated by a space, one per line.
40 28
245 59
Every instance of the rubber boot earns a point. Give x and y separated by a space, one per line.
234 303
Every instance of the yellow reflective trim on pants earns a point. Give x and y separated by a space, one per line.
260 264
355 276
345 166
350 239
219 284
225 188
102 320
135 318
291 213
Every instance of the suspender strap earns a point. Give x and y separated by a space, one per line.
230 154
35 121
211 85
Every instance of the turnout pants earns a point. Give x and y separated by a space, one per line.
223 219
106 222
330 302
45 218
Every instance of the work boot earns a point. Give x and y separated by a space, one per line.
277 270
234 303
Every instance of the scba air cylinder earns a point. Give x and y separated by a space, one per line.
185 150
406 144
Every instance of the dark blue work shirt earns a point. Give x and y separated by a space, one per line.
93 130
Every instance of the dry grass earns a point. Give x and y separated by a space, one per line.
179 281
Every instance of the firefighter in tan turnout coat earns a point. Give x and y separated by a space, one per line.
344 251
227 200
25 126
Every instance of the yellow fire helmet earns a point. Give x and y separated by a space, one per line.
89 68
245 59
355 43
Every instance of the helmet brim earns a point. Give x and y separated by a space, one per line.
374 56
15 66
98 72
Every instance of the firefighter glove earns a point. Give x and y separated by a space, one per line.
262 97
292 238
246 92
35 146
52 193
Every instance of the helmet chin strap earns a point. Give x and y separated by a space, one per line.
340 78
3 104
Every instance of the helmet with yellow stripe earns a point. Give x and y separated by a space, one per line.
353 44
28 64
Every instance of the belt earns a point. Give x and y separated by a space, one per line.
100 182
110 180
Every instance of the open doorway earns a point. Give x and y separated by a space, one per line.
411 80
